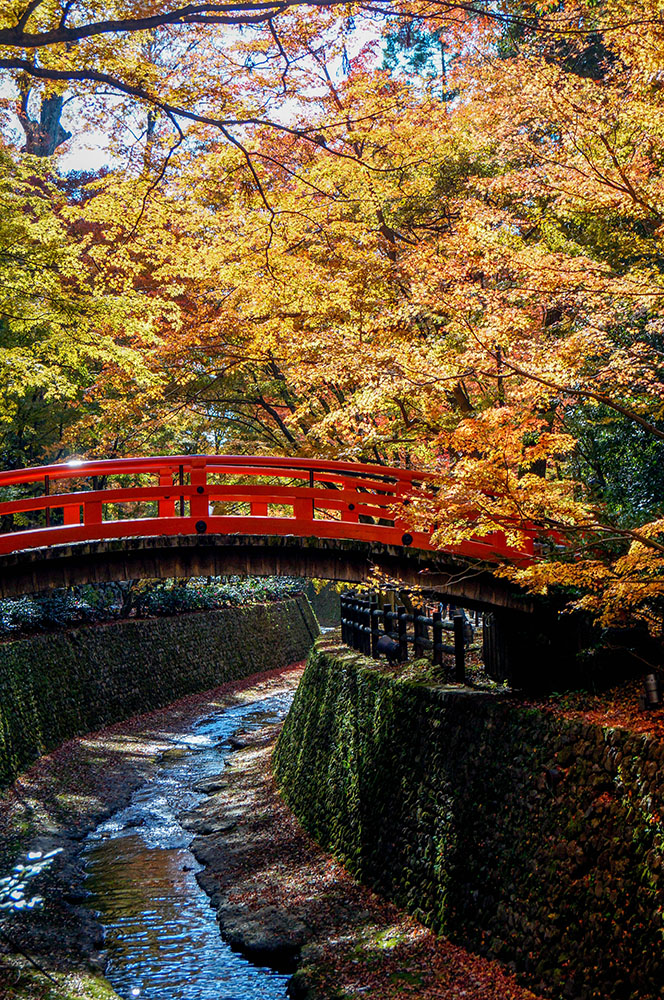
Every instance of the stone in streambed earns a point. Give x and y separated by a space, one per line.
215 783
75 895
210 825
267 936
207 823
252 738
175 753
239 740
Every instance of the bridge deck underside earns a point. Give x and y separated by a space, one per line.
353 561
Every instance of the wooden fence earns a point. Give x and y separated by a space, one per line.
364 620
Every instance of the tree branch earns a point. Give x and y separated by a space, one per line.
599 397
257 13
173 111
27 14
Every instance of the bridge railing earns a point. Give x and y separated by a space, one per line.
225 494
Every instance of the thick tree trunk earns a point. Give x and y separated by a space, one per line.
43 137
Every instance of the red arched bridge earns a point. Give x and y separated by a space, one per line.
200 514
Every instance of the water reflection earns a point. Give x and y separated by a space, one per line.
161 932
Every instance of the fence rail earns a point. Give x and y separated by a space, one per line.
363 621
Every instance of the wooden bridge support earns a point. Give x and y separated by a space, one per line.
536 652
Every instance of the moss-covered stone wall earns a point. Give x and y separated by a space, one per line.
525 836
326 602
53 687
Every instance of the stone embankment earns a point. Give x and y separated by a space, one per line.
526 836
53 687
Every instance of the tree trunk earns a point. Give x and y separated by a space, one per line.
43 137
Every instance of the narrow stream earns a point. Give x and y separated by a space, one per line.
161 932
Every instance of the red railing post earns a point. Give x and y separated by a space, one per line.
181 482
303 508
199 504
47 490
72 514
350 513
167 503
92 512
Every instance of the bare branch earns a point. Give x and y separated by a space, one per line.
275 35
157 181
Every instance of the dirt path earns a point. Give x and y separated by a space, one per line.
276 892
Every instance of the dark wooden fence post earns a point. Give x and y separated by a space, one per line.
373 624
402 633
363 626
352 619
351 622
419 633
459 650
345 616
360 647
357 625
437 633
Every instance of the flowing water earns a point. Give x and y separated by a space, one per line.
160 930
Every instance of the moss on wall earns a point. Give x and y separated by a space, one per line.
527 837
53 687
326 602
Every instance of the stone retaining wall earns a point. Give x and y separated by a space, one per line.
53 687
326 602
525 836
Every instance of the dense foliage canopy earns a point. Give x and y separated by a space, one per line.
423 233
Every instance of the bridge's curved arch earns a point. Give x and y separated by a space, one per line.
215 515
161 557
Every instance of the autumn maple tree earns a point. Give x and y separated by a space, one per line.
419 233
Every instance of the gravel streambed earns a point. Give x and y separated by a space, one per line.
280 898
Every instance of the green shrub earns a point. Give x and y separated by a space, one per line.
101 602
